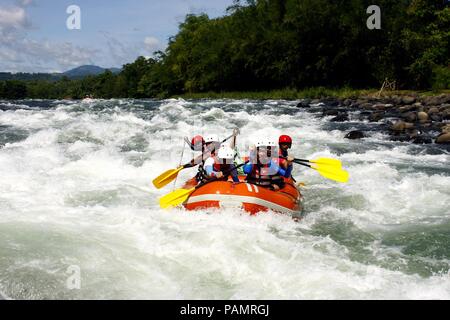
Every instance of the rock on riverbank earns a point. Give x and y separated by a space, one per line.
418 119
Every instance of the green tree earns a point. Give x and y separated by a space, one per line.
14 89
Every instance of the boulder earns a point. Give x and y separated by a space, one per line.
446 128
436 117
422 116
304 104
398 126
366 106
409 116
430 101
376 116
436 100
443 138
356 134
444 98
331 112
400 138
408 100
406 108
396 100
382 106
401 126
361 101
340 118
422 139
331 102
446 115
433 110
347 102
436 126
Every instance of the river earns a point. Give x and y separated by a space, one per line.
79 217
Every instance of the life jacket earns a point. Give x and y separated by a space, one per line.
281 157
202 175
261 176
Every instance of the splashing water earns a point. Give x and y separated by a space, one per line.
75 190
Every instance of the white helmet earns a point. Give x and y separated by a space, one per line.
265 142
225 153
212 138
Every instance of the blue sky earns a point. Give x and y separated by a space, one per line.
34 36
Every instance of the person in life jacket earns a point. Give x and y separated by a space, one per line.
263 168
221 166
197 144
285 160
237 157
208 147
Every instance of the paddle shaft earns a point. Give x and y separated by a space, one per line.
193 163
189 143
297 161
302 160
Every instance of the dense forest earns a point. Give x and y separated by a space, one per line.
277 44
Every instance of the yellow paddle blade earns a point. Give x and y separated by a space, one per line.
166 177
175 198
328 162
338 175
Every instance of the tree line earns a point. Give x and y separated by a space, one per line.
262 45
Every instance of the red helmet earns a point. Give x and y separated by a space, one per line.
197 143
285 139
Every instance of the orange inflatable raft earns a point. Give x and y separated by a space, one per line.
250 197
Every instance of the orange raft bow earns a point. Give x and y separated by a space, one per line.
250 197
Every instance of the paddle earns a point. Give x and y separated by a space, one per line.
169 175
329 172
224 140
323 161
166 177
179 196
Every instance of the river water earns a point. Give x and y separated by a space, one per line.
79 217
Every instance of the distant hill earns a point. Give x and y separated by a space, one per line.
88 70
79 72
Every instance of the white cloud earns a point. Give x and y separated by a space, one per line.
31 55
12 18
19 53
125 52
152 44
24 3
120 53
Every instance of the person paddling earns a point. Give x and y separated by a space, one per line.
208 147
221 166
237 158
197 144
263 168
285 160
